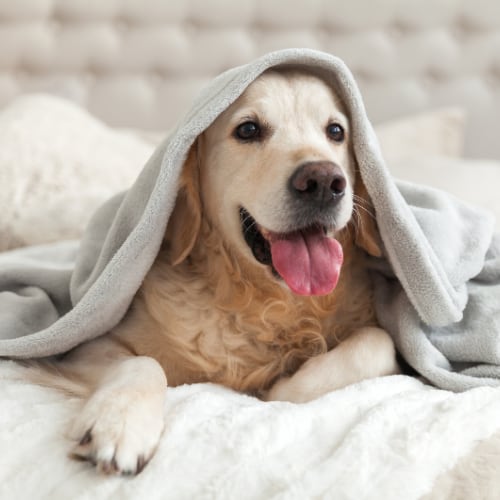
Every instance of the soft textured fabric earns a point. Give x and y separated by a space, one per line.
388 438
437 286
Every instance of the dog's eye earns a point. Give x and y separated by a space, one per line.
335 132
247 131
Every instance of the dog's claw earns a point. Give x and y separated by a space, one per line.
109 467
141 463
76 454
86 439
83 452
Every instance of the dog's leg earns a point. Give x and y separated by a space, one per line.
120 424
368 353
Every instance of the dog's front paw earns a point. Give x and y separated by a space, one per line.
118 432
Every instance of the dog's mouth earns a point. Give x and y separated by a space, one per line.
308 259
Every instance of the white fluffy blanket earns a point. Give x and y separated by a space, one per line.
388 438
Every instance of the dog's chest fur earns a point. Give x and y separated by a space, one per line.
214 323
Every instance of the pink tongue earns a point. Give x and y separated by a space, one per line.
308 261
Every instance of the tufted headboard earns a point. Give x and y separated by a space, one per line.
138 63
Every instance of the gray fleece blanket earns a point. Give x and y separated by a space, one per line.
437 286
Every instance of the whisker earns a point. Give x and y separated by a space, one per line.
249 227
246 219
360 200
248 223
366 209
357 220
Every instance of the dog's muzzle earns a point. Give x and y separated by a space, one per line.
308 259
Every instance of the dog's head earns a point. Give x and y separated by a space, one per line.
276 177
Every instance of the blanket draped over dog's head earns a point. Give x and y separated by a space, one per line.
437 286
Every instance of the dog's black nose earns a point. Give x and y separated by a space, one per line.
320 182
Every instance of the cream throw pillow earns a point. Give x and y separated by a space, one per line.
57 164
473 181
438 132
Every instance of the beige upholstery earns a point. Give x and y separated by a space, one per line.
137 63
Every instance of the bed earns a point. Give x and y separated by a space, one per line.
102 72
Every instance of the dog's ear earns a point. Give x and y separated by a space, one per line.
184 223
367 234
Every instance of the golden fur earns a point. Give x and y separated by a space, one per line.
209 311
213 316
237 332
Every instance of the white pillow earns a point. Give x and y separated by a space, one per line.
58 163
473 181
439 132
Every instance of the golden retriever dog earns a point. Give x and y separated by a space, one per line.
260 285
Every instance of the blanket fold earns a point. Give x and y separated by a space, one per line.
437 286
